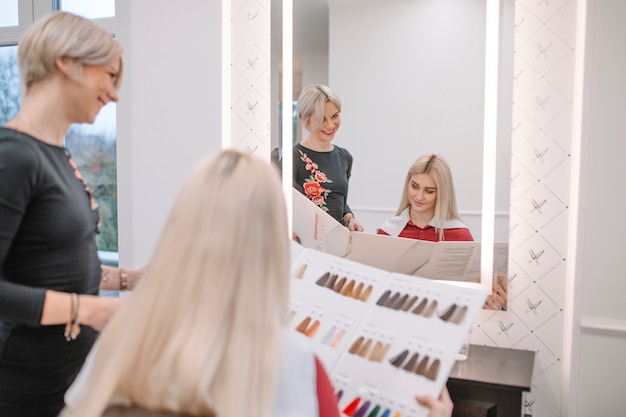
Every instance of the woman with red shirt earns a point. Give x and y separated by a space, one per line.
427 209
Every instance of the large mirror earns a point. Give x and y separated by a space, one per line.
411 76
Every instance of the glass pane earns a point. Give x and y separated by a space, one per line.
9 84
9 15
91 9
93 147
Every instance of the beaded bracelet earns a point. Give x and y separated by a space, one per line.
123 279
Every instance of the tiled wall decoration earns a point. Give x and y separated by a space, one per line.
543 74
544 40
250 75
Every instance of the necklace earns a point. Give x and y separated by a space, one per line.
38 131
30 123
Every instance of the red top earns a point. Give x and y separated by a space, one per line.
429 233
326 397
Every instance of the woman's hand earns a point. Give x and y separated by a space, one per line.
353 225
497 300
438 408
95 312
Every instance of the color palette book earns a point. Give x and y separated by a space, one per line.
383 336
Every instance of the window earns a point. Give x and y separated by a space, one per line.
9 83
9 16
91 9
93 147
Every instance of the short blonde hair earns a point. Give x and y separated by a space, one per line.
202 332
62 34
312 102
439 170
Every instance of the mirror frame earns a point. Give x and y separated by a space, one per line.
490 123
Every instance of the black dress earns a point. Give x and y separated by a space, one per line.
324 178
47 241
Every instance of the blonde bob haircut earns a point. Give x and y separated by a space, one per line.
64 35
445 205
202 333
312 102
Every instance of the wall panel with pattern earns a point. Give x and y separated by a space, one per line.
545 37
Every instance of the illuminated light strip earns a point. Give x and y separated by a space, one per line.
226 79
287 100
573 322
492 36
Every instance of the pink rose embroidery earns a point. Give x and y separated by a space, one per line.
313 185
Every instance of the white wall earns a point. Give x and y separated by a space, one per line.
170 112
602 372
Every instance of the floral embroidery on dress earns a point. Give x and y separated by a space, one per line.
313 185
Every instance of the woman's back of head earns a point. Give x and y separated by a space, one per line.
203 329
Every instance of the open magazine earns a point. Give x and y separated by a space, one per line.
383 336
453 261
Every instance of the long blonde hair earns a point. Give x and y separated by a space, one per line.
445 206
202 332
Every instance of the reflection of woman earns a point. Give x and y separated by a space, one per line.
427 209
50 272
203 333
321 170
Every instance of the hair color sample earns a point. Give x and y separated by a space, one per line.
351 408
421 367
366 294
365 348
411 364
358 290
354 348
339 284
433 370
392 300
430 309
458 315
420 306
409 303
399 358
331 281
323 279
400 302
378 346
312 329
383 352
338 338
374 412
362 410
448 313
383 298
303 325
328 337
299 273
347 290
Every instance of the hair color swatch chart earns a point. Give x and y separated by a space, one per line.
383 337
